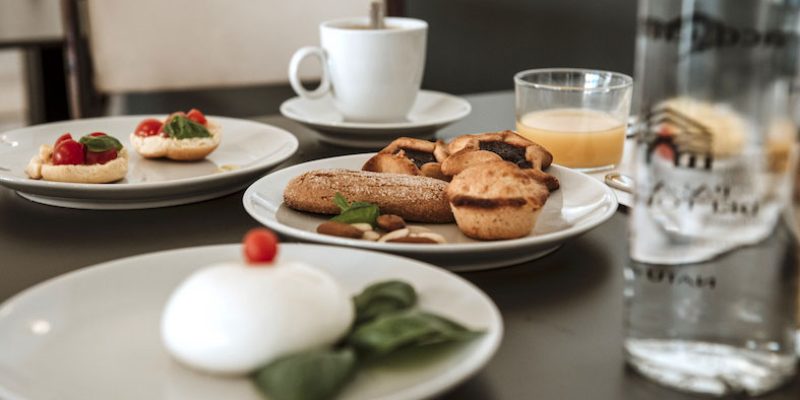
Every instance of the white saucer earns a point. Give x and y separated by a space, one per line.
94 333
579 205
431 112
248 148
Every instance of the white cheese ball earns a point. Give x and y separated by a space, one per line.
232 319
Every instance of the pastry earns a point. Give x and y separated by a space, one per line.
95 158
182 137
409 156
414 198
469 150
496 200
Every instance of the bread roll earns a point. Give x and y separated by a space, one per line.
192 149
41 167
415 198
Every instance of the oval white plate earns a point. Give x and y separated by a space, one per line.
94 333
580 204
431 111
248 148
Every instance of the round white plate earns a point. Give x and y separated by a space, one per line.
580 204
431 111
94 333
247 149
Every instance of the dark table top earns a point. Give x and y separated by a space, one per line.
562 313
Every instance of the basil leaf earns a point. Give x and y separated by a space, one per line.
99 144
313 375
368 213
180 127
383 298
341 201
392 332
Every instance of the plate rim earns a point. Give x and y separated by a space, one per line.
437 385
282 155
445 248
379 127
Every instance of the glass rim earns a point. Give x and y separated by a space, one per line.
627 81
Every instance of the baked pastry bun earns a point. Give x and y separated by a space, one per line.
496 200
181 137
96 158
469 150
409 156
414 198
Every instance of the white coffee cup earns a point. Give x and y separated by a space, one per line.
373 75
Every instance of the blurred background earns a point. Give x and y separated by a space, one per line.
473 46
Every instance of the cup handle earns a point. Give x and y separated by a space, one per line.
294 79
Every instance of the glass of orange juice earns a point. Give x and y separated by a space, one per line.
579 115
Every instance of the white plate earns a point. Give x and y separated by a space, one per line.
247 146
580 204
94 333
431 111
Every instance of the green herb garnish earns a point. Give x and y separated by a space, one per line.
391 332
314 375
355 212
99 144
384 298
386 324
180 127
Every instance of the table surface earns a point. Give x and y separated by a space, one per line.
563 313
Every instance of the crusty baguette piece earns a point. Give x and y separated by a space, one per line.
415 198
41 167
177 149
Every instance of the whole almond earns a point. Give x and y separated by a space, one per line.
413 239
390 222
371 236
334 228
430 235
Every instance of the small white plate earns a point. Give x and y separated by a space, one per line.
431 112
580 204
94 333
247 149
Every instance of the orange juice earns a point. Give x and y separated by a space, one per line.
578 138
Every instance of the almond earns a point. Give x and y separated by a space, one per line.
334 228
390 222
394 235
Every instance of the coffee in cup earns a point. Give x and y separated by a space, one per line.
373 75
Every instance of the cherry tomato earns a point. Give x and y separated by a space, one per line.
100 157
68 152
260 246
62 138
196 116
97 134
148 127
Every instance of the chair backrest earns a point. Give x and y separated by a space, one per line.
154 45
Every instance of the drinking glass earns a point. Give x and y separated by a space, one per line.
711 284
579 115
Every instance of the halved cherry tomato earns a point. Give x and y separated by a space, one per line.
196 116
100 157
62 138
260 246
68 152
97 134
148 127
